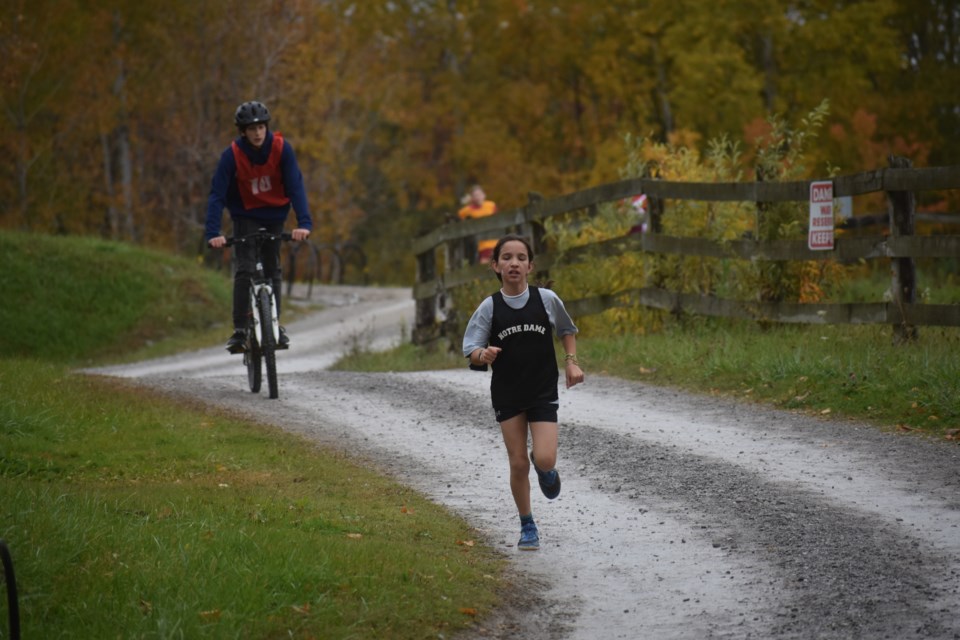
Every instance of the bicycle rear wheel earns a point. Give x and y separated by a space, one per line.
268 342
251 358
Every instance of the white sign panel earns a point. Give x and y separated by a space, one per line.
820 237
845 207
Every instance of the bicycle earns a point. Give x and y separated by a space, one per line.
263 326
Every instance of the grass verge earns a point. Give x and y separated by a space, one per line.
131 515
84 301
838 371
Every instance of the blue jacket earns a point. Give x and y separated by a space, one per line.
225 195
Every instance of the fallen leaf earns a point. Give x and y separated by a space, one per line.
212 614
934 418
404 509
355 536
903 427
469 611
466 543
145 607
305 609
644 370
825 412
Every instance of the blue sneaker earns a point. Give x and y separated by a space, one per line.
549 480
529 537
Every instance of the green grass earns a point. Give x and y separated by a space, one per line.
132 515
847 371
85 301
82 299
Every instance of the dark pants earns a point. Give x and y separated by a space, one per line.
245 266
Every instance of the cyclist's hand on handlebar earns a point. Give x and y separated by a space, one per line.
300 234
217 242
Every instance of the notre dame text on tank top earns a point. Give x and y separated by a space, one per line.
525 372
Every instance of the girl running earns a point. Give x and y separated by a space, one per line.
512 331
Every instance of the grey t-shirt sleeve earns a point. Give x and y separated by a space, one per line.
477 334
562 322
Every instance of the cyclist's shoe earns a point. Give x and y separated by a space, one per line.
529 537
236 342
549 480
284 342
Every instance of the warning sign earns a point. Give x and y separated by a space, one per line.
820 236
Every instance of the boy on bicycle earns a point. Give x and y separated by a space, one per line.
257 179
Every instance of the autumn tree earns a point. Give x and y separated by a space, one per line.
118 110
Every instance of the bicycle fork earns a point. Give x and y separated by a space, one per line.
258 322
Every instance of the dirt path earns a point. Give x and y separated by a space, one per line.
681 516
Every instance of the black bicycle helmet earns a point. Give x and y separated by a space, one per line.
252 112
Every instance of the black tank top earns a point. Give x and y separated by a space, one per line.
525 373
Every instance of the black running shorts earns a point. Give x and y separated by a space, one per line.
541 413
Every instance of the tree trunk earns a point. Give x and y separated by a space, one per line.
110 223
122 132
662 93
769 73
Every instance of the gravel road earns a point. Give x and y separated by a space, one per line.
681 517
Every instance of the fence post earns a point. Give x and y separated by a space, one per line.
654 206
772 274
294 250
459 253
653 263
425 314
534 229
903 288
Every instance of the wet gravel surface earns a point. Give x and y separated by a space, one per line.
681 516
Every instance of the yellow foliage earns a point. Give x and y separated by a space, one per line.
780 156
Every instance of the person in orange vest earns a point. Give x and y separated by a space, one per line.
477 206
257 180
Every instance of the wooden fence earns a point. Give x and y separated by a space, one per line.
900 182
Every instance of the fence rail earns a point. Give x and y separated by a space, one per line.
902 247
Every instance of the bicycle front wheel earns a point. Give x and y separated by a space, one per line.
251 358
268 343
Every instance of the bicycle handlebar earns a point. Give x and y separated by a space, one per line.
259 235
